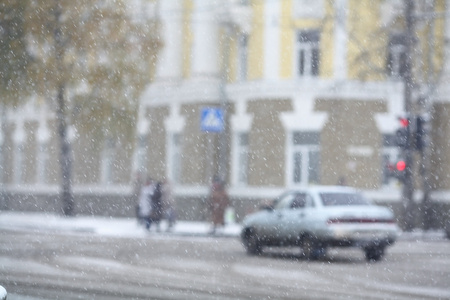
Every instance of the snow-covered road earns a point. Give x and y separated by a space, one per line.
43 261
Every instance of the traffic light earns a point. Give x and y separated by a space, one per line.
400 170
401 165
419 136
402 134
404 122
396 170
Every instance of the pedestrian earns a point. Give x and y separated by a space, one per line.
145 205
168 204
157 205
218 202
137 187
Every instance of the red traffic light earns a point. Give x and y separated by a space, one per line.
404 122
401 165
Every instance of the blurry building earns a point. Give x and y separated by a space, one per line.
310 92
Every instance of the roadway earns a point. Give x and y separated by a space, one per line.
46 264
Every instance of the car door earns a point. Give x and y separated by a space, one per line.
295 216
274 221
268 225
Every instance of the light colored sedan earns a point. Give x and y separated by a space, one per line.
3 293
316 218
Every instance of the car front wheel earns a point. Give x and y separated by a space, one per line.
252 242
374 253
312 248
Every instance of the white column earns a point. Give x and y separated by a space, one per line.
447 38
174 124
443 90
19 132
19 137
2 121
43 137
170 57
272 39
205 47
241 122
340 39
43 133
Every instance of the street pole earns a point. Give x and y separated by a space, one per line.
408 186
425 115
223 136
68 204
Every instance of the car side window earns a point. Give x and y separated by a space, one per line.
299 201
284 201
302 200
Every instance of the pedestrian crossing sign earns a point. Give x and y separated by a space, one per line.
212 120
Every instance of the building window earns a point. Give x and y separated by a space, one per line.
308 55
19 163
242 58
174 155
396 60
108 162
241 158
42 164
304 159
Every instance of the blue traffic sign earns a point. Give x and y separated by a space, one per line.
212 120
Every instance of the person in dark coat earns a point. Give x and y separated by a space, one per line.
218 202
157 205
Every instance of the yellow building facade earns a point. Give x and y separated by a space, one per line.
274 94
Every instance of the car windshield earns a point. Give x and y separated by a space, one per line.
337 199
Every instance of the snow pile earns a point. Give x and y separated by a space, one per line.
120 227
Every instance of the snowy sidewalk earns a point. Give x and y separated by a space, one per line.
129 227
120 227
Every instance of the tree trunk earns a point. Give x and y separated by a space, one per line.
65 157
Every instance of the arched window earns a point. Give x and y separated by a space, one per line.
308 53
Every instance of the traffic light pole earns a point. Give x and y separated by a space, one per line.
408 191
427 213
223 136
408 186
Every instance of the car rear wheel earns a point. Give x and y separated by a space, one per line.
312 248
252 242
374 253
447 229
